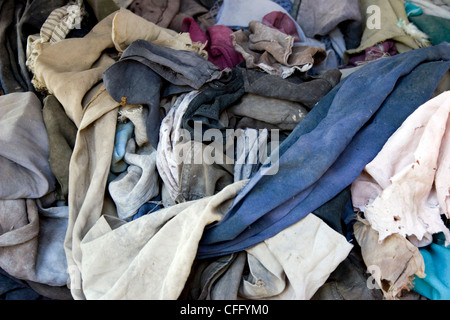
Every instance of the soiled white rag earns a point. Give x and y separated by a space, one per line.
405 189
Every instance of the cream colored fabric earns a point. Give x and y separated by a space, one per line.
393 263
150 257
296 262
405 189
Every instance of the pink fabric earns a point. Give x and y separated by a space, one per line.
406 188
282 22
218 41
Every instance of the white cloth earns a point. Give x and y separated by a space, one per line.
405 188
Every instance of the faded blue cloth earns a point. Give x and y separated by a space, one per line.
124 132
329 148
436 284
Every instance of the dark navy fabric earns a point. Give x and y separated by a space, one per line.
329 148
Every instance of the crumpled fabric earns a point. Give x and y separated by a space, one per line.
55 28
392 11
34 236
276 113
62 134
265 206
159 12
150 257
218 43
405 188
19 19
24 148
393 263
138 184
279 268
273 51
53 72
316 18
168 160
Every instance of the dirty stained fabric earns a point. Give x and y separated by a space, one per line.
305 188
273 266
152 255
405 189
273 51
393 263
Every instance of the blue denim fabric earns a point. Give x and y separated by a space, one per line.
329 148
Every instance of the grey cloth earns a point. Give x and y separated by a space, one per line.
138 184
281 114
302 88
62 134
316 19
31 241
24 148
144 68
250 152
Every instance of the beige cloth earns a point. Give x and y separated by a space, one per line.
405 188
273 51
82 61
150 257
393 263
297 261
72 70
390 13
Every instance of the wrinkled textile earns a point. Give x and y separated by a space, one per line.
332 136
18 20
405 188
279 113
435 285
218 43
52 72
316 18
61 133
150 257
24 148
279 268
302 88
390 13
55 28
159 12
207 107
436 28
273 51
155 63
34 236
282 22
393 263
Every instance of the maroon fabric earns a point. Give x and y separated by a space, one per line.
282 22
219 44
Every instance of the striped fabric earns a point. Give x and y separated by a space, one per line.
55 28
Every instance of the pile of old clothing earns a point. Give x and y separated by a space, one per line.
224 149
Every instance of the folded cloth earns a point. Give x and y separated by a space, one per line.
24 148
273 51
218 43
281 21
317 161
